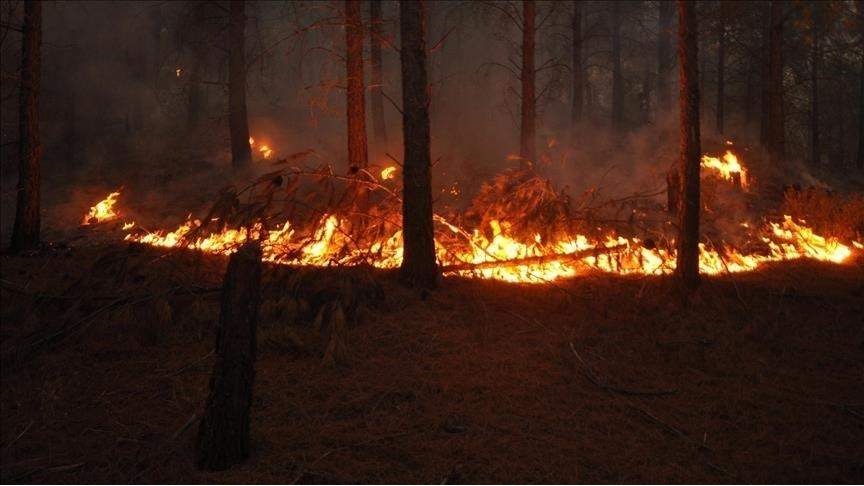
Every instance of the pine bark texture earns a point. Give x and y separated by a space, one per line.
764 81
578 89
25 232
223 436
419 267
238 121
776 125
664 53
721 67
358 150
859 161
687 265
814 96
617 78
527 143
376 98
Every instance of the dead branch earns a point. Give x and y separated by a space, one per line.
534 260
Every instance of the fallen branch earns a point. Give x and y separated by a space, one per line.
535 260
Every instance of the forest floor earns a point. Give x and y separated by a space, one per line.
107 351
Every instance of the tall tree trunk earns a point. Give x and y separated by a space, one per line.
25 233
764 81
358 150
814 95
775 84
527 142
721 66
687 264
859 161
617 80
195 100
241 153
379 127
223 436
419 267
664 53
748 97
576 108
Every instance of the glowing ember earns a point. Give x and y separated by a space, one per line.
388 173
727 168
178 72
128 226
103 210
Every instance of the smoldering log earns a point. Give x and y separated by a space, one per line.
223 437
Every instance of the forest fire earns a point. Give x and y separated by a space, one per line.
727 167
503 257
103 211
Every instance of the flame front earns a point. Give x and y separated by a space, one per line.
103 210
328 245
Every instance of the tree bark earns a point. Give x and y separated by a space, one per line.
358 150
578 89
775 84
241 153
25 232
687 265
859 161
764 81
617 79
721 66
223 436
527 145
419 267
379 127
664 53
814 94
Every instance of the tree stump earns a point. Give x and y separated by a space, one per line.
223 437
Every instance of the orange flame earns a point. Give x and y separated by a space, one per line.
728 168
388 173
329 245
103 210
264 149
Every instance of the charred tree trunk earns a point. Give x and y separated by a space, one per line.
814 96
687 265
576 108
25 233
358 150
859 162
527 143
379 127
664 53
223 436
419 267
775 84
764 82
721 66
617 80
241 153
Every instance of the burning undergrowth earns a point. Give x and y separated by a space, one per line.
519 227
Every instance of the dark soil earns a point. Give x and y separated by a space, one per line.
107 352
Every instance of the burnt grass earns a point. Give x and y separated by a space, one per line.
759 377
